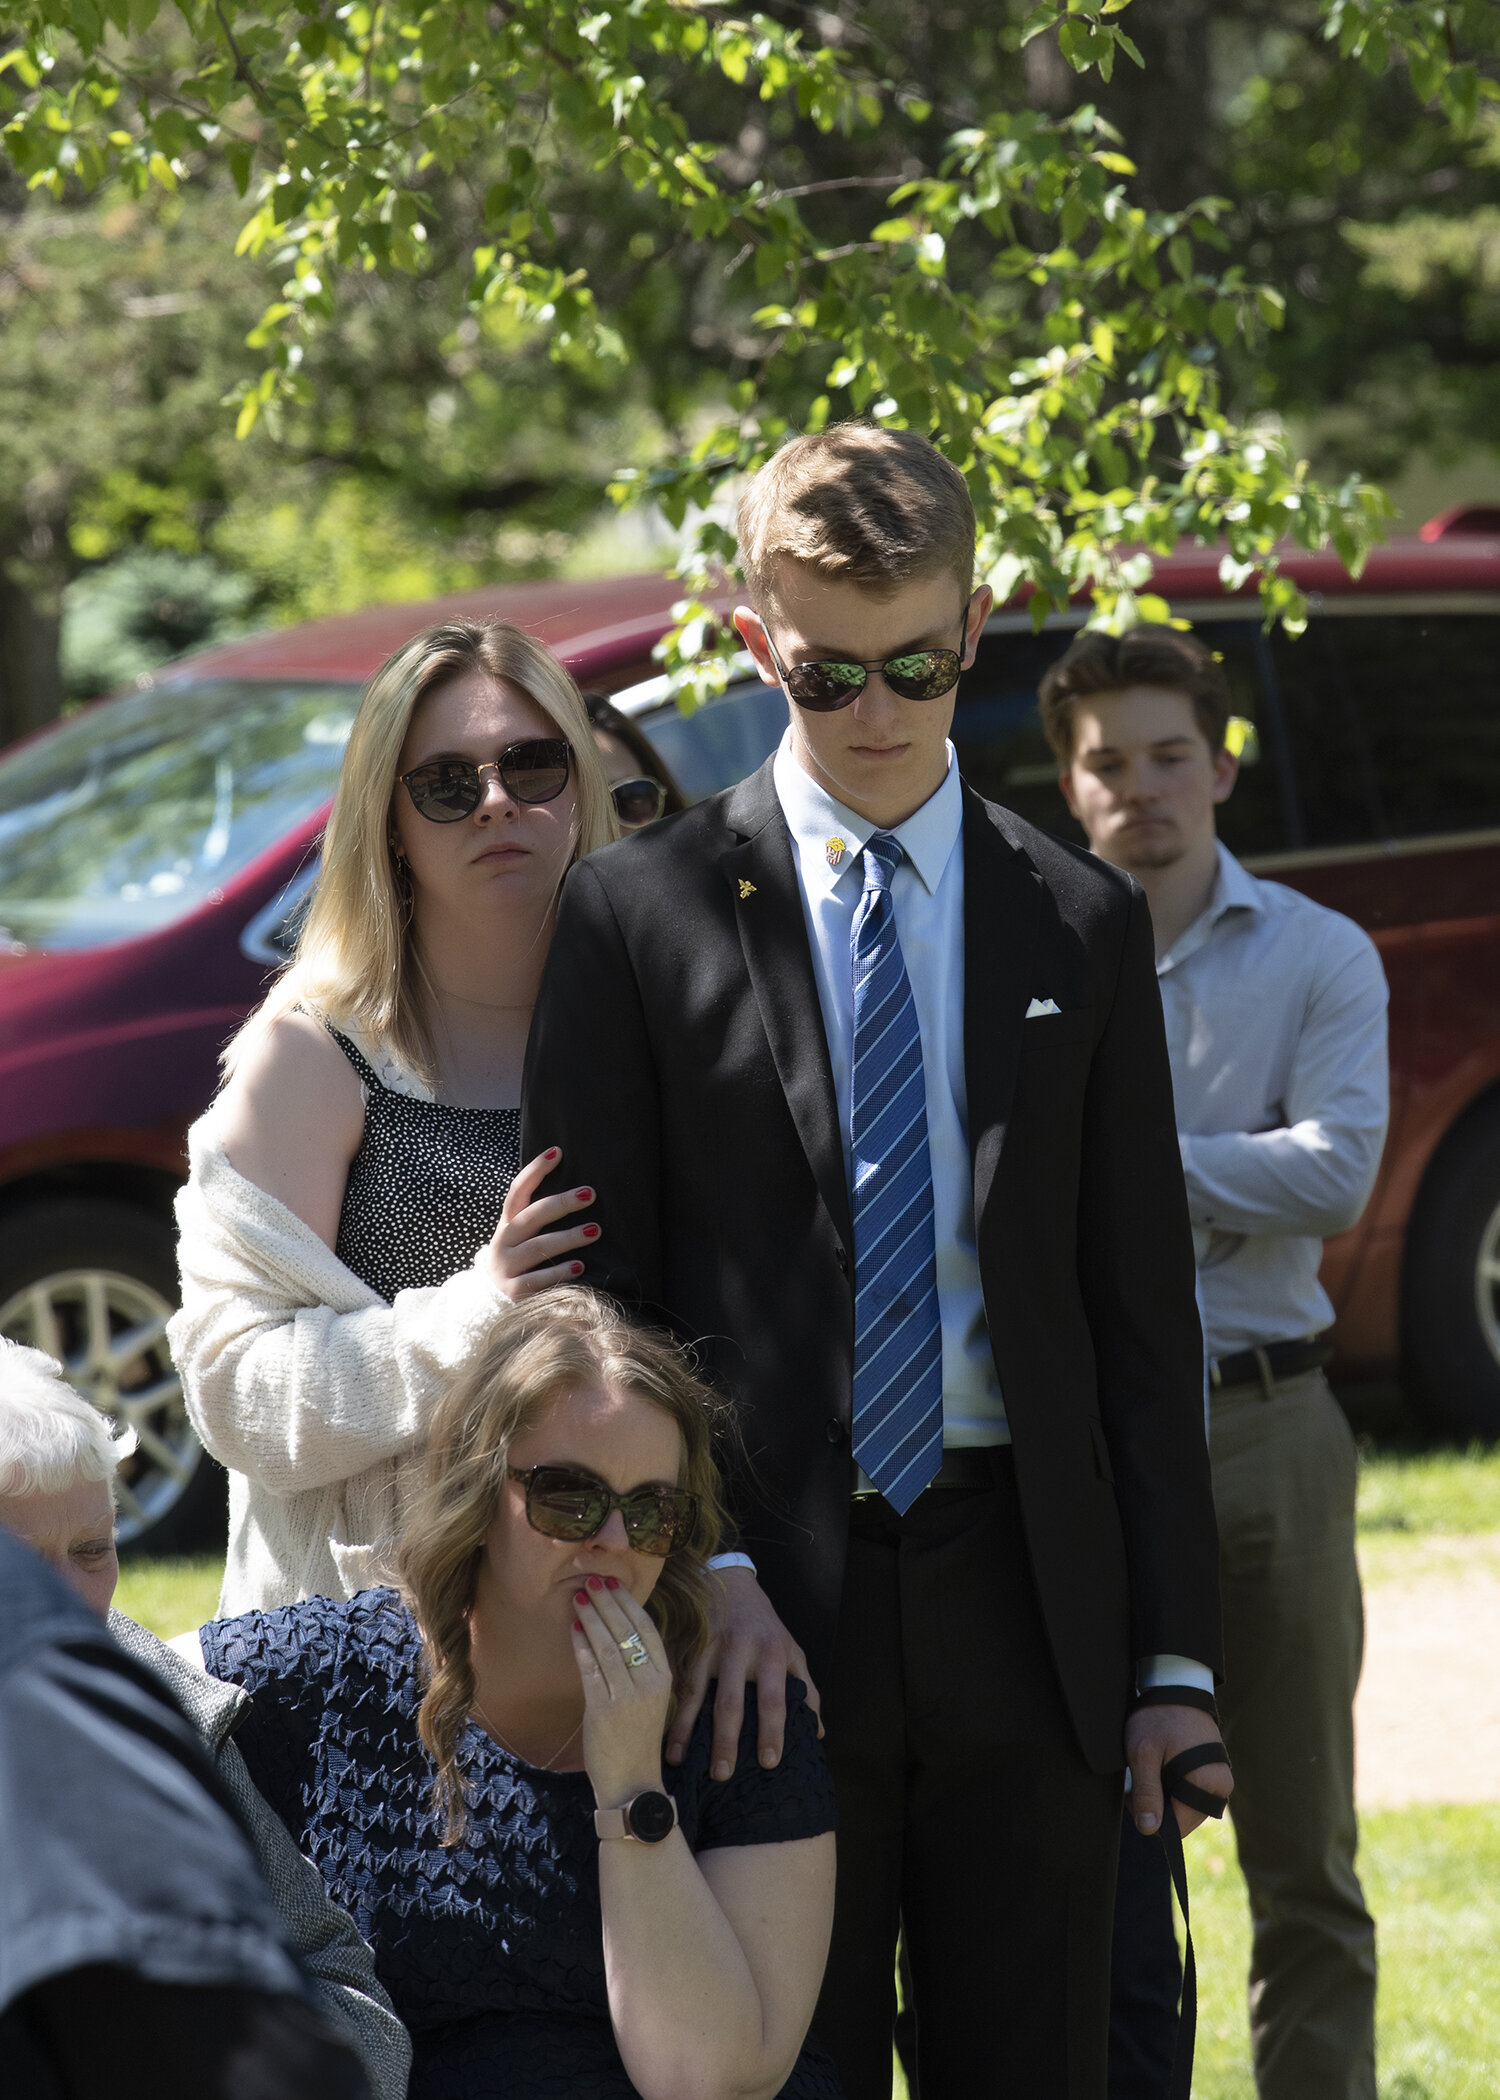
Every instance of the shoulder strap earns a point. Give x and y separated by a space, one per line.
360 1063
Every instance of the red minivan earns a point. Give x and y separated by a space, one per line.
154 849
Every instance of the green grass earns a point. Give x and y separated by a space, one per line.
170 1596
1422 1492
1432 1878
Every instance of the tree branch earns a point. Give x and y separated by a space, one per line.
241 69
839 182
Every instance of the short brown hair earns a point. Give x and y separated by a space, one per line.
876 508
1108 663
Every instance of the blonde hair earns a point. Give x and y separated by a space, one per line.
558 1342
356 960
876 508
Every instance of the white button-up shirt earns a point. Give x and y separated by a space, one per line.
927 895
1275 1012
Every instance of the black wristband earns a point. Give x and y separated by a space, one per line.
1176 1695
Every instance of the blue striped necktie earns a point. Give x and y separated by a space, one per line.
898 1342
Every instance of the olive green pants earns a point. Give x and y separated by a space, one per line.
1284 1479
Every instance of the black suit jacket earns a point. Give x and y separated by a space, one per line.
678 1057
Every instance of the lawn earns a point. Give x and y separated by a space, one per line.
1406 1493
170 1596
1432 1877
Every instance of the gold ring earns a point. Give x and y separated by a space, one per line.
635 1651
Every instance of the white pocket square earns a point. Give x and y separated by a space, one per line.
1038 1007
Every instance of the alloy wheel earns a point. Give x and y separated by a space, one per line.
109 1332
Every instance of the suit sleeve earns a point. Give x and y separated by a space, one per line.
592 1086
1137 1273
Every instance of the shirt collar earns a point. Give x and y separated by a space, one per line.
1235 889
927 837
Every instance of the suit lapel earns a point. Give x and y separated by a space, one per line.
1002 906
762 876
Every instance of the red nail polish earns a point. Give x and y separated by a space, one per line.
551 1153
591 1232
611 1582
577 1268
580 1596
578 1625
584 1195
595 1583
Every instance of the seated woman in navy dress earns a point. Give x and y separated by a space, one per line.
474 1762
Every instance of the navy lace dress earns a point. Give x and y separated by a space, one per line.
492 1951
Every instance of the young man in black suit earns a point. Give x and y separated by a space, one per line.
870 1079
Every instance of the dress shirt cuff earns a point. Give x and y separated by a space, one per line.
1153 1670
720 1561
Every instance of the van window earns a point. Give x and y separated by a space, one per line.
1404 737
1339 802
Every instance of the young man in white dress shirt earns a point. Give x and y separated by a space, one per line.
1276 1028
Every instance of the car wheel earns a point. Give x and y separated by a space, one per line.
1451 1310
94 1282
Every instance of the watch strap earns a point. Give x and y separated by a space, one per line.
615 1822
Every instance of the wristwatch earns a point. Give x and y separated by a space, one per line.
648 1819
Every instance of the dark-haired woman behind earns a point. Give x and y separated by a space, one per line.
641 786
441 1751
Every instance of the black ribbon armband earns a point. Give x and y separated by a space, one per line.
1178 1695
1178 1787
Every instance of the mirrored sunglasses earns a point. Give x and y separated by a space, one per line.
638 802
448 789
922 674
564 1504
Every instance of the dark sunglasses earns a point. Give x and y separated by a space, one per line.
446 790
638 801
822 688
564 1504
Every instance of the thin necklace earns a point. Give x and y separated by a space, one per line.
515 1753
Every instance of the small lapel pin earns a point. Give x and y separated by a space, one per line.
835 850
747 889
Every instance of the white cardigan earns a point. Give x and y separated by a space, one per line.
306 1384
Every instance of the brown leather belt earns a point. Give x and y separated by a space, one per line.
970 1468
1275 1361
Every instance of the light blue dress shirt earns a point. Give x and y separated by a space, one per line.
928 898
927 894
1275 1011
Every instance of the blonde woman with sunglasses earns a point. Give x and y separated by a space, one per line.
473 1757
357 1212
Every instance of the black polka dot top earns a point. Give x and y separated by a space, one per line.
425 1187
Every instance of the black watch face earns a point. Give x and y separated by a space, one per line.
651 1818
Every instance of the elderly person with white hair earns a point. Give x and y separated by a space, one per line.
57 1463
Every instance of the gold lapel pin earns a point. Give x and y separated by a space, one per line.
747 889
835 849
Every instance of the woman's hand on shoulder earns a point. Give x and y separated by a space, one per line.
534 1248
291 1119
624 1704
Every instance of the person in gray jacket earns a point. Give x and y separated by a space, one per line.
57 1464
